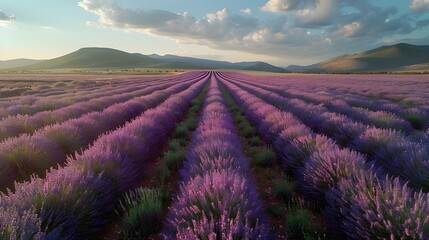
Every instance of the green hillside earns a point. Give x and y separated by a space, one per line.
387 58
261 66
96 58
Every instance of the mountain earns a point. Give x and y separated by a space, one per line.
112 58
261 66
205 63
213 64
386 58
17 63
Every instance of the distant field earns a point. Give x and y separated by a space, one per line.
93 71
77 76
21 84
213 155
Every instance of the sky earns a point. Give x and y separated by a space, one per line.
281 32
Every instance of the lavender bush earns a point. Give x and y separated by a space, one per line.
216 199
379 209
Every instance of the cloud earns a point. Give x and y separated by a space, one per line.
422 23
247 11
322 13
420 5
6 24
49 28
111 14
353 19
350 30
277 6
299 28
221 26
4 17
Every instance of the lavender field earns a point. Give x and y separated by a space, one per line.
215 155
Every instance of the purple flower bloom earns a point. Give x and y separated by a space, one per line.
217 200
374 209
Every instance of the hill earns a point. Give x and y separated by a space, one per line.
96 58
399 57
386 58
17 63
261 66
204 63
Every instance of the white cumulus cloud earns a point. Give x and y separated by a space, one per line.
420 5
277 6
246 11
350 30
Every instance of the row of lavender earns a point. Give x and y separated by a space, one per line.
392 152
49 96
358 203
25 155
75 201
30 105
217 198
15 125
369 90
383 113
55 89
17 89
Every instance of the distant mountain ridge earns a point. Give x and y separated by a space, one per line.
111 58
17 63
261 66
396 57
213 64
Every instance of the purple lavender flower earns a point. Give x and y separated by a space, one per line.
326 167
218 204
387 209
